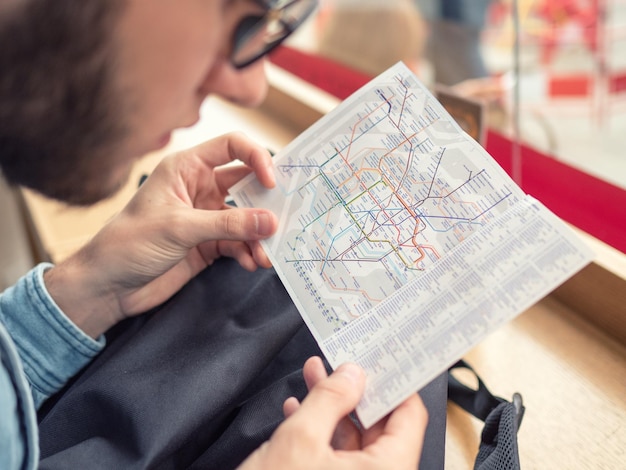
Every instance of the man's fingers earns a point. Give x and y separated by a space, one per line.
290 406
259 255
236 146
404 431
313 371
232 224
411 414
330 400
346 435
227 176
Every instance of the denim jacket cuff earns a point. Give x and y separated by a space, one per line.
51 347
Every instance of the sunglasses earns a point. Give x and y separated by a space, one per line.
257 35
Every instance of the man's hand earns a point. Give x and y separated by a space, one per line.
176 225
317 433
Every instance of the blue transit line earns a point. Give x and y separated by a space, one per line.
419 145
406 94
332 237
466 182
408 165
332 188
365 213
459 220
368 251
352 142
366 190
380 93
361 217
359 231
330 247
443 150
408 217
470 221
388 220
422 201
398 272
493 205
357 137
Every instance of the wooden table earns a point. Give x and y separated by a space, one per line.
572 375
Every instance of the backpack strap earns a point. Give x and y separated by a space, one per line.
498 446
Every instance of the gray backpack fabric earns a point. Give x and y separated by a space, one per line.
196 384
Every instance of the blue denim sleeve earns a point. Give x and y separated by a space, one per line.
52 349
18 424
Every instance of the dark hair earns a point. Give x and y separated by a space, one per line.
56 97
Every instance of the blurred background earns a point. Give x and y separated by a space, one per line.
572 63
551 73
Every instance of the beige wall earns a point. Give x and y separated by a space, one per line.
15 254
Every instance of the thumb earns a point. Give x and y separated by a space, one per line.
330 400
230 224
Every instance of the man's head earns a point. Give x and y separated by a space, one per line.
87 87
56 97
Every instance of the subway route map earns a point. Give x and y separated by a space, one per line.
401 241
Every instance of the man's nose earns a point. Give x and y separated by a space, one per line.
247 86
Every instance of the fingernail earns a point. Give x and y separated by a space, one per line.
352 372
272 181
264 224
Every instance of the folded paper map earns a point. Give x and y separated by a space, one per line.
401 241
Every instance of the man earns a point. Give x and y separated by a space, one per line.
87 87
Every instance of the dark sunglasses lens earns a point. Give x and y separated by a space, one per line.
257 35
254 37
245 29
